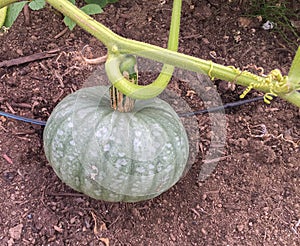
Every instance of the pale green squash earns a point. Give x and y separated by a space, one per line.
115 156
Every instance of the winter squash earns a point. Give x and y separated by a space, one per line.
115 156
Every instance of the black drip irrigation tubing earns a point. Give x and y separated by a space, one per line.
188 114
24 119
221 108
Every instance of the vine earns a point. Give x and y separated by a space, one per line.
274 84
275 81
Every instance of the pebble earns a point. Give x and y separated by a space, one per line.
244 22
15 232
205 41
240 228
204 231
34 38
19 52
243 142
10 242
173 238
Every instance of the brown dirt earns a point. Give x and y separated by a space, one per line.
251 198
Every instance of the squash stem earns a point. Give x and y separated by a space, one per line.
164 77
128 68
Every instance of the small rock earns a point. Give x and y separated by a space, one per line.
243 142
268 25
10 242
173 238
58 229
244 22
205 41
20 52
72 220
204 231
34 38
15 232
240 228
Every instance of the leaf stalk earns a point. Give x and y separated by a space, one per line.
120 45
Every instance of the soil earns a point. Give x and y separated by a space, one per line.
252 197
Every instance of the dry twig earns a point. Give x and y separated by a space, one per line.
30 58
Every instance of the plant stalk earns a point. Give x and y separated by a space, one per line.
293 97
119 45
119 101
133 90
4 3
294 73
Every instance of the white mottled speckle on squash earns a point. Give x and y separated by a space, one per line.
115 156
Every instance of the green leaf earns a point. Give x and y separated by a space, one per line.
112 1
3 12
13 12
37 4
101 3
92 9
69 23
294 73
89 9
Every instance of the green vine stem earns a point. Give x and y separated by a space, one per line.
158 85
294 73
274 83
4 3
